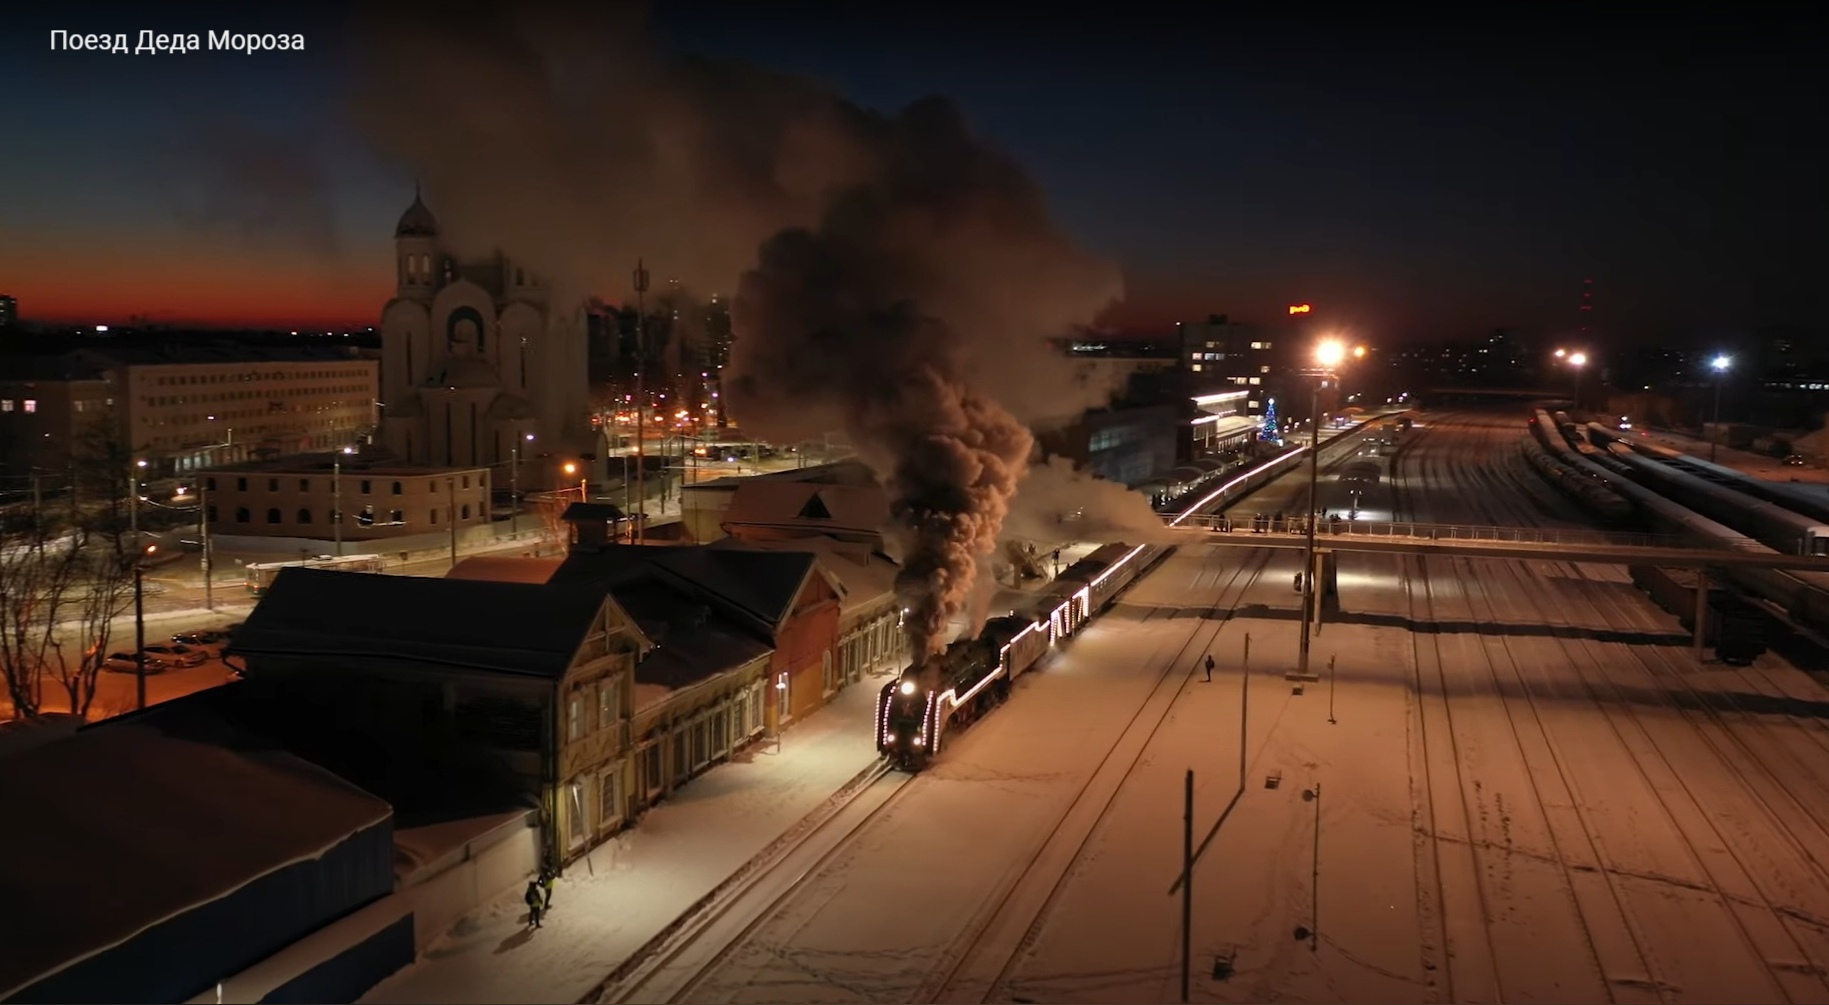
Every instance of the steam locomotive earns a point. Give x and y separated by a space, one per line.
949 691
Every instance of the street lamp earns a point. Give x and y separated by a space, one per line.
1720 365
583 492
514 486
1329 355
139 619
133 500
336 497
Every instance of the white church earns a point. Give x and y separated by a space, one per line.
475 358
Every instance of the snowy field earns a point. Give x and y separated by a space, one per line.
1537 797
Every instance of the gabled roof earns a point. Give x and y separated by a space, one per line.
514 628
120 827
813 507
865 576
689 641
753 585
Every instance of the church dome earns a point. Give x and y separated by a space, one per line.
417 221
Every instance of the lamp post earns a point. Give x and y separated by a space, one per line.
451 500
203 533
1720 365
139 619
641 398
1575 360
1329 355
133 500
336 498
514 486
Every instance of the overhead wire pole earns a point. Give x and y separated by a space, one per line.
1308 552
641 402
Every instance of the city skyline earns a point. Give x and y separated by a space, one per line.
1413 181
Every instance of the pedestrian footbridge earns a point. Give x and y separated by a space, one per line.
1472 541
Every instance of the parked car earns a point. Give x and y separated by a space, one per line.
123 663
179 656
202 640
1795 461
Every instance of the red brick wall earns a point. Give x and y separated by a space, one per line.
809 633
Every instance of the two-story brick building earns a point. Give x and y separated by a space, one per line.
306 496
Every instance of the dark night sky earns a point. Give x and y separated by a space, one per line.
1410 176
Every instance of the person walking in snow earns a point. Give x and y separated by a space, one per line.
536 903
1209 668
546 887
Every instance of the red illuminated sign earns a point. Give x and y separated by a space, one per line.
1300 308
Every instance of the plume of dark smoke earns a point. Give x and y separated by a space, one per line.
897 276
268 190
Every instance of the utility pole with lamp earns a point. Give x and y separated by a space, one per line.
139 619
1329 355
203 534
336 497
641 400
451 491
1720 365
514 485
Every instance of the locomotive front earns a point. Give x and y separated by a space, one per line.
904 721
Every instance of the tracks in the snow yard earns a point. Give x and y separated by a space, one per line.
1738 861
978 960
670 970
984 958
1462 967
1754 893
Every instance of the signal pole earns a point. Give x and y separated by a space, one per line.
641 401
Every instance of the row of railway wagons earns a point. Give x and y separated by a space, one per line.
916 711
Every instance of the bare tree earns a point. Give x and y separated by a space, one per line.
66 575
61 588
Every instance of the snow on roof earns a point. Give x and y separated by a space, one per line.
121 827
864 575
810 506
692 641
502 569
508 627
757 585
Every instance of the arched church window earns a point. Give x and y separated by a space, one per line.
242 515
304 516
466 511
273 515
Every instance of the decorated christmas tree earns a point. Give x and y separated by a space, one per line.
1269 431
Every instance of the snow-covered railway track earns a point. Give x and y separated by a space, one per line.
985 957
1744 827
670 972
1450 884
1717 890
1621 962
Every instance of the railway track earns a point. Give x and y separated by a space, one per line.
984 959
672 971
979 958
1786 943
1717 844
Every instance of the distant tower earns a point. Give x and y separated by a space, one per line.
1587 309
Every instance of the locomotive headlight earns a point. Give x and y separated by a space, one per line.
908 687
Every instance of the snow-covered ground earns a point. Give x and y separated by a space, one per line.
1537 797
608 906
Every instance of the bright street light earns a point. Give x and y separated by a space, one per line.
1721 363
1578 359
1330 352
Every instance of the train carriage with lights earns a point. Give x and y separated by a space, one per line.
916 711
